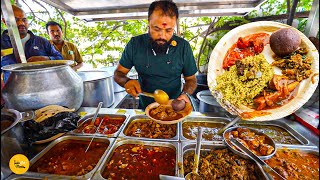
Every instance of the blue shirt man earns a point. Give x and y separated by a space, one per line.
36 48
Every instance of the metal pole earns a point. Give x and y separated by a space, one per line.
13 32
178 27
312 26
292 12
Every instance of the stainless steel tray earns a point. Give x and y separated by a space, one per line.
67 137
307 149
220 120
190 146
282 125
133 119
121 141
21 177
86 118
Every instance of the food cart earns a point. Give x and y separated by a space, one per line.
286 131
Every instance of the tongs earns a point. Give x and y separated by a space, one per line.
93 120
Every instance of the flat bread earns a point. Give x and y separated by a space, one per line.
49 111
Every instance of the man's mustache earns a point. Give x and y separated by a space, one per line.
163 40
57 36
21 26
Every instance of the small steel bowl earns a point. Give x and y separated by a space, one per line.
268 141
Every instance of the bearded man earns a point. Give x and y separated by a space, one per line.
159 57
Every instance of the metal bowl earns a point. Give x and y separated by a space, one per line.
268 141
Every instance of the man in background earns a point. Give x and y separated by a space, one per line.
68 50
35 47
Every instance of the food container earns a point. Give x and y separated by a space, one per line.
144 118
267 141
63 139
189 147
298 165
209 104
291 134
89 117
120 141
38 84
21 177
12 137
98 87
210 126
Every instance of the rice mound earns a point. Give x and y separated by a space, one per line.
239 90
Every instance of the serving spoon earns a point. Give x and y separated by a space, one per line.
159 96
254 157
194 173
231 123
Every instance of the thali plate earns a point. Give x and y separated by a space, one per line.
306 87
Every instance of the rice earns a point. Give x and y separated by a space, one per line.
240 90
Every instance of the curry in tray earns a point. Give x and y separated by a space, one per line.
69 158
150 129
295 164
220 164
133 161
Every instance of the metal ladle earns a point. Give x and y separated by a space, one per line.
194 174
159 96
93 120
254 157
231 123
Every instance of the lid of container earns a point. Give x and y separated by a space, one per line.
94 75
37 66
207 97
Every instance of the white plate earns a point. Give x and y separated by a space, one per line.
306 88
185 112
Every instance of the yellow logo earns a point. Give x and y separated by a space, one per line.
19 164
173 43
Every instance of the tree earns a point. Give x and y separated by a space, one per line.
102 43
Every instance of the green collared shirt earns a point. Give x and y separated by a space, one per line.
159 71
69 52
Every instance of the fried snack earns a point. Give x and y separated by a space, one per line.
49 111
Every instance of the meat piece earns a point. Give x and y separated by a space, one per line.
260 102
253 143
240 68
265 149
235 134
281 171
247 134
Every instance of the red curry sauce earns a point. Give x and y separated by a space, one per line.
69 158
295 164
109 125
245 46
133 161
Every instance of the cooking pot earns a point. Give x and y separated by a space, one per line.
12 136
98 87
202 84
132 74
35 85
208 103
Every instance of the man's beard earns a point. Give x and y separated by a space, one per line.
159 48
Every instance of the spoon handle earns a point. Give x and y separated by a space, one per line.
146 94
198 148
235 120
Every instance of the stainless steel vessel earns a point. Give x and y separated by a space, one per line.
35 85
98 87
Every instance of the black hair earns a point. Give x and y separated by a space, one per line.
52 23
168 7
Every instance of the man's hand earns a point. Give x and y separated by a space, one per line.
133 87
184 97
38 58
